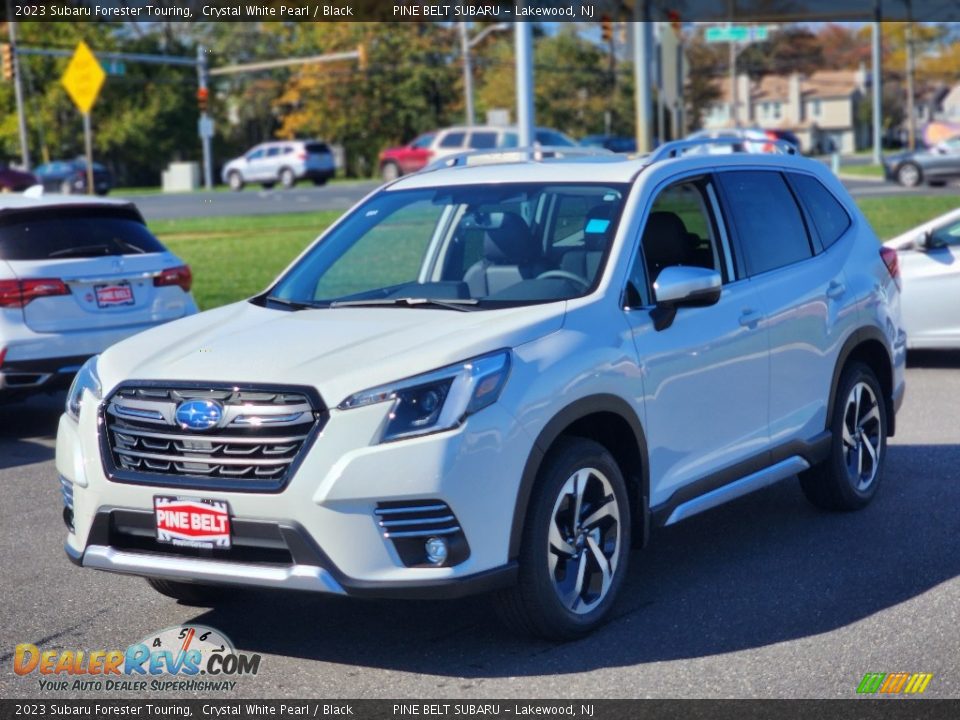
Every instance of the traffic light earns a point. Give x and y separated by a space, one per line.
606 25
202 96
674 19
362 59
6 50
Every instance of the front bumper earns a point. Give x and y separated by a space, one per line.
325 519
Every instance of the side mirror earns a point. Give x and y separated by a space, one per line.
682 285
930 242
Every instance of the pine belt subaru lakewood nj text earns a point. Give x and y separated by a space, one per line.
499 374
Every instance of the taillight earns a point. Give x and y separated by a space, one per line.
302 155
3 354
180 276
20 293
892 262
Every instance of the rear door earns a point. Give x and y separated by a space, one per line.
808 309
106 260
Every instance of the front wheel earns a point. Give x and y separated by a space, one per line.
235 181
287 178
849 477
909 175
575 546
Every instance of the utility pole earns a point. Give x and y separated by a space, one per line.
467 72
466 45
911 114
642 45
18 89
877 89
206 124
523 38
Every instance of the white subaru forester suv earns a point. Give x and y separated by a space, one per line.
499 376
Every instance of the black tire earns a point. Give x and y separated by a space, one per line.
936 183
189 593
267 185
859 429
287 178
534 606
390 171
909 174
320 181
235 181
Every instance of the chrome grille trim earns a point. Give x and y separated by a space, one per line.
422 519
262 434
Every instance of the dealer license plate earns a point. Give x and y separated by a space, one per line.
192 522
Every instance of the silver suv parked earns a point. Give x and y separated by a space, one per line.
499 377
285 162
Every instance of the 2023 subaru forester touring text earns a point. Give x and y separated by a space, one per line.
499 376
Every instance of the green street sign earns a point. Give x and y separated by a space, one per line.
737 33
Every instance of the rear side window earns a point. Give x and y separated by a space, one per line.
767 219
75 233
483 140
454 139
828 215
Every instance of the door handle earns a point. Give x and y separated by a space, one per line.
835 289
749 318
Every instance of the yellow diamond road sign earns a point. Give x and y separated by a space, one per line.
84 78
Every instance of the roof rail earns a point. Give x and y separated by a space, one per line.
534 152
676 148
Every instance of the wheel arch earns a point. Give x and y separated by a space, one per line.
867 345
610 421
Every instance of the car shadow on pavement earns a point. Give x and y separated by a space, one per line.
933 359
765 569
28 429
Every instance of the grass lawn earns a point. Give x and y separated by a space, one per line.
235 257
891 216
873 171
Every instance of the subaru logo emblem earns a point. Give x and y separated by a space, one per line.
199 414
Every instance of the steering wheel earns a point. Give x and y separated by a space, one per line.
564 275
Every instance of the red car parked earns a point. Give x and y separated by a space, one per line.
15 180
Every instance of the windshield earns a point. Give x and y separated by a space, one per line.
483 246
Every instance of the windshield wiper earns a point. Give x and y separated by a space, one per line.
292 304
84 251
461 305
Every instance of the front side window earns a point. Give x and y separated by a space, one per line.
947 235
680 230
767 220
480 246
424 141
255 155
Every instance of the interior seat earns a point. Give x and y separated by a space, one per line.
597 230
511 254
665 242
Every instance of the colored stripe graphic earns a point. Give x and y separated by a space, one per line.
893 683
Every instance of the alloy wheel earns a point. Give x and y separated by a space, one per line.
584 540
862 436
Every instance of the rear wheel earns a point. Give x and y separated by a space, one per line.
909 175
189 593
287 178
575 546
849 478
390 171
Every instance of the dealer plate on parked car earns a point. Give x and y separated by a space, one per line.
114 294
193 522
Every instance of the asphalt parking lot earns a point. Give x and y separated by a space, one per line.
764 597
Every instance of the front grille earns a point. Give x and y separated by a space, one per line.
409 524
252 446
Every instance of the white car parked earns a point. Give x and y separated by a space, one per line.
76 276
930 267
499 378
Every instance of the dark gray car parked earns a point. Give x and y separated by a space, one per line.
935 165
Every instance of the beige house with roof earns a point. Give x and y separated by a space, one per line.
820 109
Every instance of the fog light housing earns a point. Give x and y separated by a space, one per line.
436 550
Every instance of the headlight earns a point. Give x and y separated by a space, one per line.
437 400
86 379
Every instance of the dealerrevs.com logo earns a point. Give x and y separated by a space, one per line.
177 659
894 683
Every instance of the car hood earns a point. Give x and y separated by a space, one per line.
339 351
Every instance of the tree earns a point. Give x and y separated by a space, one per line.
408 87
701 90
